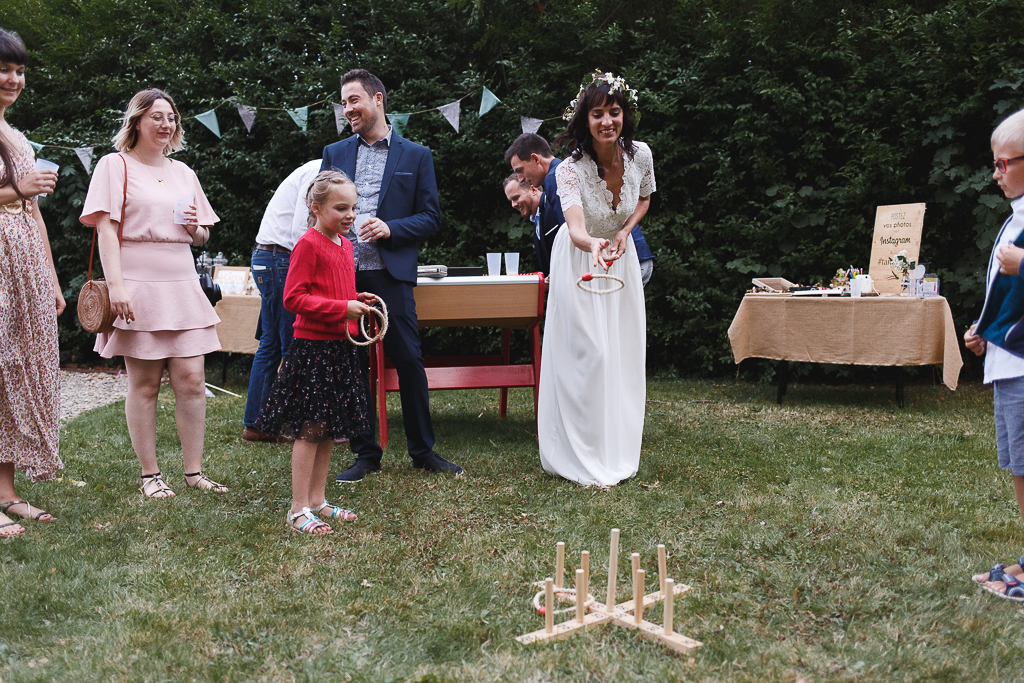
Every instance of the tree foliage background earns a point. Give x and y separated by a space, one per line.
777 126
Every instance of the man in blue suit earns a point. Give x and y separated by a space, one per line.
532 162
396 208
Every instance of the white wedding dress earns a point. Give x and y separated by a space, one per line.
593 386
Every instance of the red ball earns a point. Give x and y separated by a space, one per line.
540 610
587 277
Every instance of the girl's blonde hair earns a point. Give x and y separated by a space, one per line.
320 189
126 138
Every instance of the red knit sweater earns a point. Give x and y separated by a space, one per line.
321 281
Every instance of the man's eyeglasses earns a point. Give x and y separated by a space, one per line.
173 120
1000 164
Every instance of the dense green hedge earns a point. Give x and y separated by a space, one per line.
777 127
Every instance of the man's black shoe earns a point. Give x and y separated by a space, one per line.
435 463
357 471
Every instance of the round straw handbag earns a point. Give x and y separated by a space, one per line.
94 312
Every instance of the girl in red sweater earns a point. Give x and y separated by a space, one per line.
318 397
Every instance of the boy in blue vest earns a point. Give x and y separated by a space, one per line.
999 334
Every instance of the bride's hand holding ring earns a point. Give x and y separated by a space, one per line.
600 258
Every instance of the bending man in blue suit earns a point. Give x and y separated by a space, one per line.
532 162
397 207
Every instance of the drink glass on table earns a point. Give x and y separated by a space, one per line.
511 263
494 264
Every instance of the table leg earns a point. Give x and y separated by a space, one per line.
506 336
899 385
224 368
782 376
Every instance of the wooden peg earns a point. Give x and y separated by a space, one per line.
635 557
613 569
661 569
549 605
585 565
670 597
638 597
559 563
581 596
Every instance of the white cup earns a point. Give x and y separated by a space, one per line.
494 263
855 287
181 203
46 165
511 263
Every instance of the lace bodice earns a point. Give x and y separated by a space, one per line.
580 185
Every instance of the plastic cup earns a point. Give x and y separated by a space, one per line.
181 204
493 264
46 165
511 263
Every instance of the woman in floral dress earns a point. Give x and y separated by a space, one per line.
30 301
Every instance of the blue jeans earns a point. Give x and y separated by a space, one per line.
269 270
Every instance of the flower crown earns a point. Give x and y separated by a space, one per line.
614 83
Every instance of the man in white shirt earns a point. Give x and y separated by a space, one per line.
284 222
999 335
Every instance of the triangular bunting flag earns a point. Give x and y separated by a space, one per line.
398 122
300 116
488 101
248 115
85 156
36 146
451 112
339 117
530 125
209 119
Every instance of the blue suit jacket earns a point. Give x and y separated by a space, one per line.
408 198
551 214
1003 312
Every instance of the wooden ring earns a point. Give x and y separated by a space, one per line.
604 276
382 314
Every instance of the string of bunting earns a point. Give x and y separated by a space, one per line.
300 116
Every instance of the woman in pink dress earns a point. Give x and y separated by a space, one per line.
30 301
163 318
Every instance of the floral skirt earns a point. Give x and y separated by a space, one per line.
318 395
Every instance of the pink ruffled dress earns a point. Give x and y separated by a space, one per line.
173 318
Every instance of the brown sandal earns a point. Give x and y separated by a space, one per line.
13 533
4 507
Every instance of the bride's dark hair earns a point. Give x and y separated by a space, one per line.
576 138
12 51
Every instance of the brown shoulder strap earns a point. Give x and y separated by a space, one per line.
120 225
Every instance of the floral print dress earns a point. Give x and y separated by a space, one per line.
29 362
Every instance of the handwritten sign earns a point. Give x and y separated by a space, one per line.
897 227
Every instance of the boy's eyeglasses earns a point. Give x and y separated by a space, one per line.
1000 164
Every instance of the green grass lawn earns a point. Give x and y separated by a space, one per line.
831 538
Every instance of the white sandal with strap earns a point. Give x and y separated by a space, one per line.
311 524
153 486
335 512
205 483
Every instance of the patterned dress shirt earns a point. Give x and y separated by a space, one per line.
370 163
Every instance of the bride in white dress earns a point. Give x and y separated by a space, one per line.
592 383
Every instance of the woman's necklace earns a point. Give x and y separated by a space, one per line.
162 159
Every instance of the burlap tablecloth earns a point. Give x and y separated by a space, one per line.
848 331
237 327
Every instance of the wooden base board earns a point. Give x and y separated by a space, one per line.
675 641
564 629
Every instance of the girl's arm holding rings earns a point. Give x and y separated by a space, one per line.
110 257
298 297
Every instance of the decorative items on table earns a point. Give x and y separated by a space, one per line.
901 267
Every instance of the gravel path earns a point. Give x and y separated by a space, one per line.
82 391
